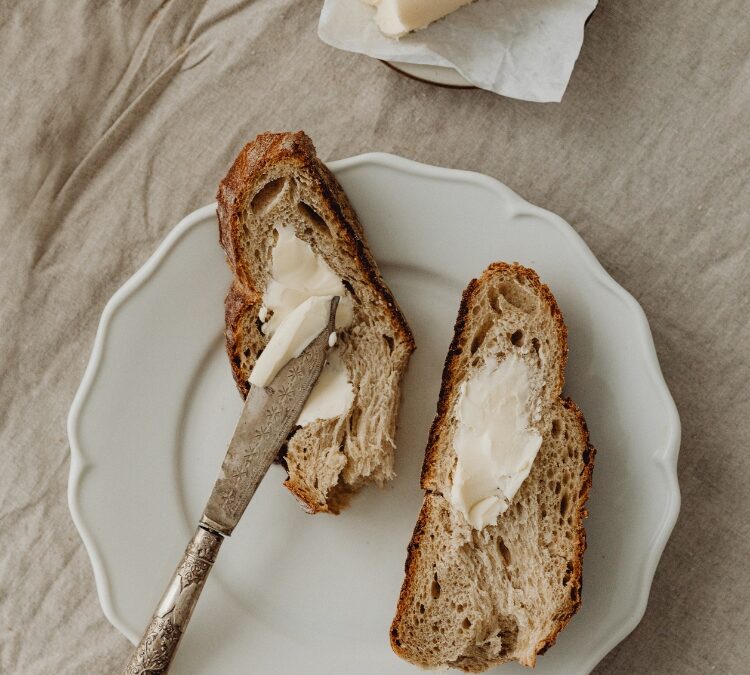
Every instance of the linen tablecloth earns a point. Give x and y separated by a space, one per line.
119 118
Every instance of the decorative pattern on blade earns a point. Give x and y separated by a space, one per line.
280 414
268 418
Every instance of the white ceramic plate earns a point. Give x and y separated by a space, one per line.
445 77
295 593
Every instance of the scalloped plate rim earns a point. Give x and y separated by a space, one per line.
666 459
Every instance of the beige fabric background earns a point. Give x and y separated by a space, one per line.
119 118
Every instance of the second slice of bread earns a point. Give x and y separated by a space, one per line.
472 598
278 180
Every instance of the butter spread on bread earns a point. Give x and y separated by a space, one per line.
472 597
298 275
281 210
298 329
494 441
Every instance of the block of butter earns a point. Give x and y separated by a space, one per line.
396 18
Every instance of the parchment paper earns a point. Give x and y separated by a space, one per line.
519 48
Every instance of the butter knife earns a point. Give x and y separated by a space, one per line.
267 419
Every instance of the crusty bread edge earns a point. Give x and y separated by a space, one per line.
449 380
234 192
589 455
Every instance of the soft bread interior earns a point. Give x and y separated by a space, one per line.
329 458
476 598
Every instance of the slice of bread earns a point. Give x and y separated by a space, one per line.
472 598
278 180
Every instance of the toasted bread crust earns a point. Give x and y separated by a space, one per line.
589 455
413 551
450 379
233 193
257 158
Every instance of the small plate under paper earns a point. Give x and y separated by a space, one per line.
512 47
293 593
443 77
439 75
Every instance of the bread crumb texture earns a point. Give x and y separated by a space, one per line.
277 180
472 599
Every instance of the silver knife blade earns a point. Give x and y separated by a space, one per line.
267 419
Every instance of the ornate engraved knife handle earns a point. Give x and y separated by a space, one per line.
158 645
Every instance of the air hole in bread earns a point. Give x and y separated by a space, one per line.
312 217
389 342
494 300
503 549
350 290
518 338
558 487
564 504
466 624
265 199
508 635
555 427
535 345
354 417
517 297
435 588
479 336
